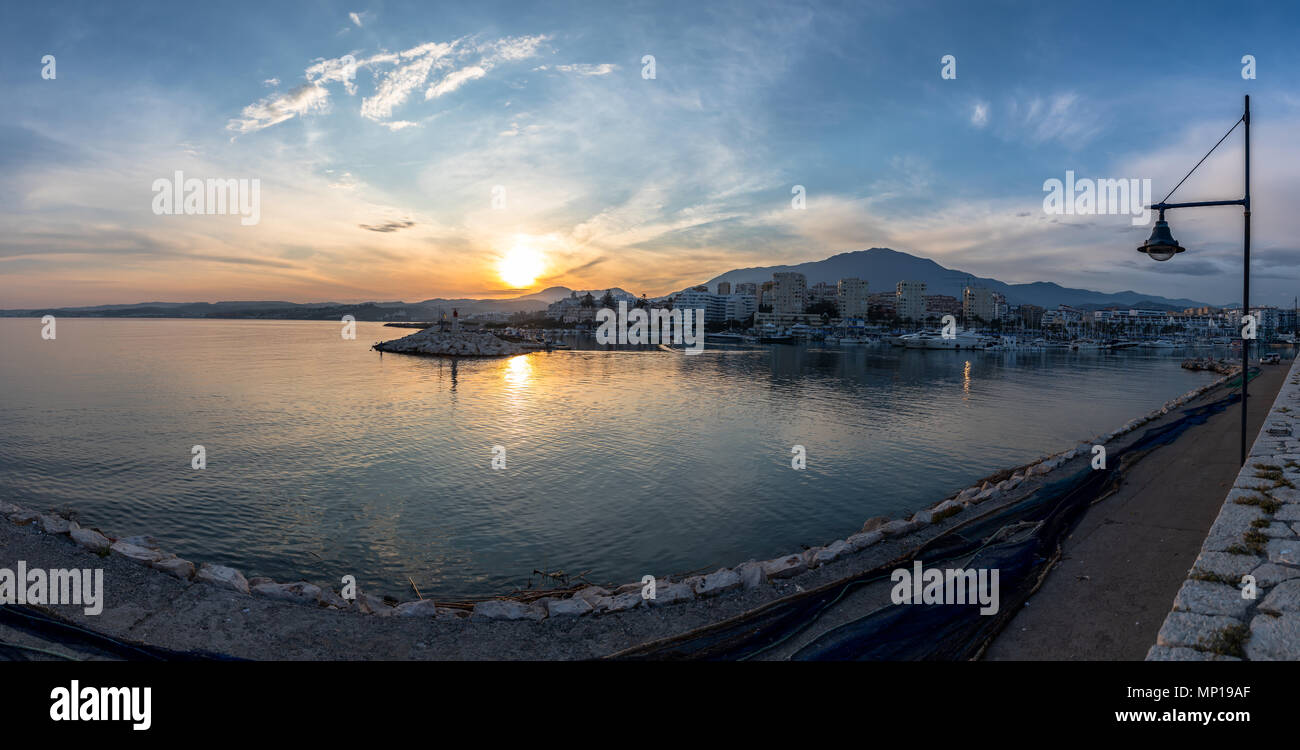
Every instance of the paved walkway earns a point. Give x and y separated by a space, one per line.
1109 594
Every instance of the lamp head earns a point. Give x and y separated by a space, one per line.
1161 244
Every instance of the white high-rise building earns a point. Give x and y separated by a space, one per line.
789 293
979 303
851 298
910 300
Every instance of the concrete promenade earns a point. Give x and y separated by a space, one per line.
1125 562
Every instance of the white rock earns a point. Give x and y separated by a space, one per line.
617 603
859 542
301 592
591 593
90 539
418 608
752 574
671 593
573 607
717 582
832 552
182 569
22 517
136 554
785 567
54 524
506 609
223 576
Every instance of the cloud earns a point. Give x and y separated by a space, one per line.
454 80
272 82
979 116
396 76
583 69
356 19
396 86
391 226
276 109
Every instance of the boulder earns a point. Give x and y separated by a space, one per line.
220 575
54 524
418 608
832 552
785 567
859 542
717 582
617 603
182 569
22 517
671 593
90 539
573 607
507 609
300 592
752 574
138 555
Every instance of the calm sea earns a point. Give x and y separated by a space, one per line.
326 459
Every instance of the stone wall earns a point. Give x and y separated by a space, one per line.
1241 599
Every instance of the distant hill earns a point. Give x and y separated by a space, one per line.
429 309
883 268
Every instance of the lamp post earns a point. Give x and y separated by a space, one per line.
1161 246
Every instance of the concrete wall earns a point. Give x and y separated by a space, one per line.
1241 599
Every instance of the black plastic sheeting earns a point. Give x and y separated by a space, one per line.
83 642
1021 541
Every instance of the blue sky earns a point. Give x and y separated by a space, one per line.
381 186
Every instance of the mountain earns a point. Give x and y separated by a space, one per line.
883 268
429 309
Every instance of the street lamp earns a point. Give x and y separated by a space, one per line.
1162 246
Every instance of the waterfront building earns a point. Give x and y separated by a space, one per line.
1030 315
851 297
741 306
789 292
724 288
822 292
1266 322
882 304
938 305
909 300
713 305
747 287
979 303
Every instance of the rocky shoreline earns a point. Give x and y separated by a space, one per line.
585 600
450 344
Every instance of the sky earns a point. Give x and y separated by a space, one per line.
492 149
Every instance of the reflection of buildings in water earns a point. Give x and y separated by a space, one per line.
965 380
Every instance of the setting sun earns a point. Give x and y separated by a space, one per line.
521 266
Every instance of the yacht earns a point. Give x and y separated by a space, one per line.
963 340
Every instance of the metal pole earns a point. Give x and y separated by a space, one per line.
1245 286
